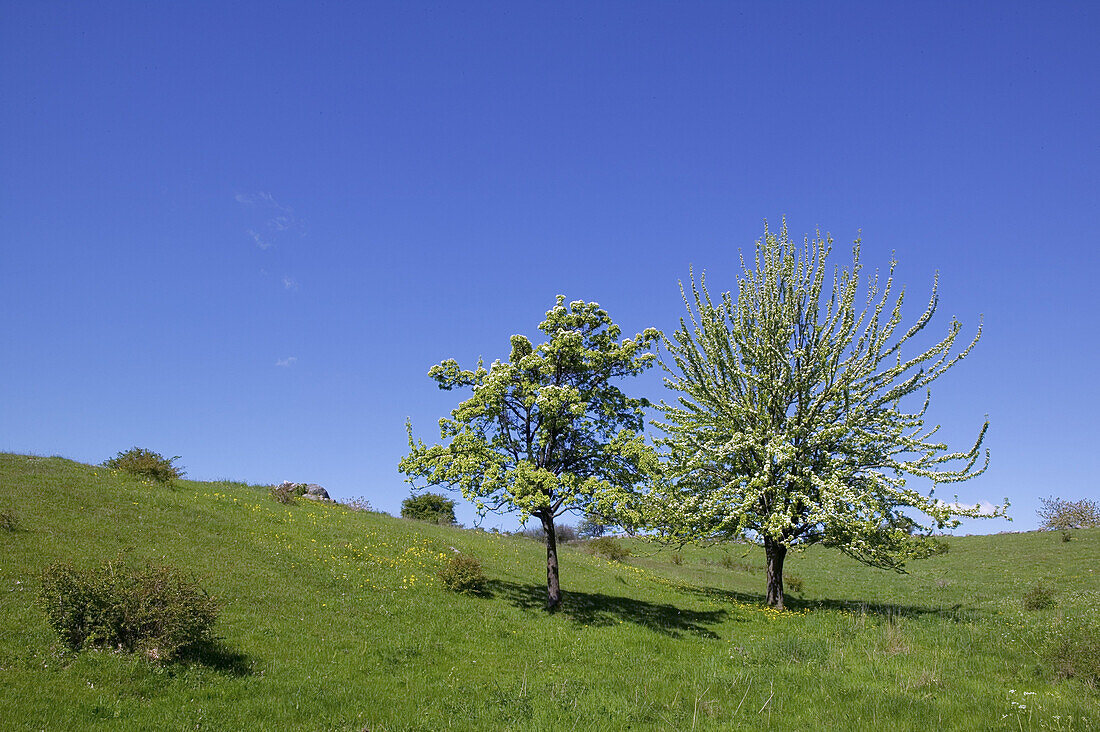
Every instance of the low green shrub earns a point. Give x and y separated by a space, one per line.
1039 597
145 464
1073 651
608 548
9 521
793 582
155 610
462 573
677 558
430 507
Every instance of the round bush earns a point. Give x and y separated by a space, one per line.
145 464
156 610
462 573
430 507
608 548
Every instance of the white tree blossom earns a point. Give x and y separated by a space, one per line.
794 422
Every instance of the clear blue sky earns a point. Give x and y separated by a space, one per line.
242 233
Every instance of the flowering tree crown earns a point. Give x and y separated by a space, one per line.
789 426
547 430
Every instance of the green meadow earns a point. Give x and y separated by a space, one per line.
334 619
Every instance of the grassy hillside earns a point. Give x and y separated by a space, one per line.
334 619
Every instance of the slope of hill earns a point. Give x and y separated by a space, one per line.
334 619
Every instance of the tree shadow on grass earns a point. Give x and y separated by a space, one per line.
883 609
217 656
867 607
599 609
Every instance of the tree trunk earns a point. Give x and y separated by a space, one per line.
553 588
775 553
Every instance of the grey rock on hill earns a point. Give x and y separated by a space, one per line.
316 492
307 490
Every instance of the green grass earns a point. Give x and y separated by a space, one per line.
334 619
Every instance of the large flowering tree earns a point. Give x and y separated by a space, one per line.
789 427
546 431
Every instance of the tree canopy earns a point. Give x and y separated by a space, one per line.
546 431
792 423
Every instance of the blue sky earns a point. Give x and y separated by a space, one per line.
242 233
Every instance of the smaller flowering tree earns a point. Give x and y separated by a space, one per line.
1058 514
546 431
